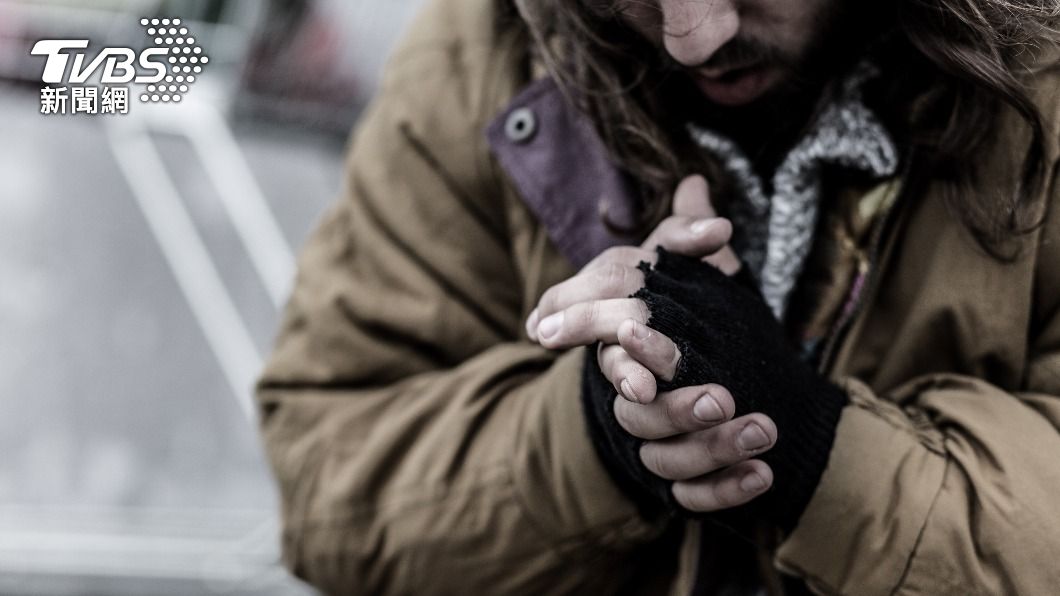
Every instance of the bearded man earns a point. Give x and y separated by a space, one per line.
686 297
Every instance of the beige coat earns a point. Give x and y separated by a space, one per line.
424 446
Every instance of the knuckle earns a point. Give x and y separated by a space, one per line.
652 458
708 452
632 256
674 414
613 278
588 314
615 255
627 255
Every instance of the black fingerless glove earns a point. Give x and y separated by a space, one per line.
727 335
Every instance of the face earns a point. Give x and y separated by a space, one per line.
736 51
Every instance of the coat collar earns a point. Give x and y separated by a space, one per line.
561 169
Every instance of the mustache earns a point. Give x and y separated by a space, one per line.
742 51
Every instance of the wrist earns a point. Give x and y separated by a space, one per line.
618 450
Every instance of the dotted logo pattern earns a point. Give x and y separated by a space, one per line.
186 60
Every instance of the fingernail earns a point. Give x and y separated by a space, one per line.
550 326
752 483
707 409
701 226
627 390
640 331
531 323
752 437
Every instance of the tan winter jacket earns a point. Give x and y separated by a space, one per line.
424 446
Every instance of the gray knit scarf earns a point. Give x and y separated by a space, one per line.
774 234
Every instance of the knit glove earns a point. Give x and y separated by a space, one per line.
727 335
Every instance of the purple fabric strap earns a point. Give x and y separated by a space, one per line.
561 169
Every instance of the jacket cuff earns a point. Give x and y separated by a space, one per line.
869 434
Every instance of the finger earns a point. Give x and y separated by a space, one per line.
624 255
689 229
690 236
726 488
655 351
692 198
585 323
631 380
725 260
677 412
702 452
613 280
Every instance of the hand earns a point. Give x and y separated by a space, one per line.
589 306
728 336
691 439
691 436
592 305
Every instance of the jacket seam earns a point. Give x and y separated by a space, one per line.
500 329
430 159
920 535
355 511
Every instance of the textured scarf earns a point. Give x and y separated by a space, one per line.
774 233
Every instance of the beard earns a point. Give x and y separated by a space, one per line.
769 125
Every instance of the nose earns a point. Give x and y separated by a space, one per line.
694 29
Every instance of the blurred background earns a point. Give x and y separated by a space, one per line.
144 259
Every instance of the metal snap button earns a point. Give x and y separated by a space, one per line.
521 125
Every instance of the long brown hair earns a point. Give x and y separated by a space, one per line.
954 65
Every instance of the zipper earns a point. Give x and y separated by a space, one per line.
869 290
871 279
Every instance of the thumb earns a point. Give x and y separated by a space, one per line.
692 198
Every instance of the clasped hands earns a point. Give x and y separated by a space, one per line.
690 435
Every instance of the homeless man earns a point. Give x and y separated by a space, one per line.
686 297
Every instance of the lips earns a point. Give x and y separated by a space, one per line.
734 86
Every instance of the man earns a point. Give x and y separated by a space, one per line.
518 361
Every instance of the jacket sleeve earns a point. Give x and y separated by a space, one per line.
420 445
948 484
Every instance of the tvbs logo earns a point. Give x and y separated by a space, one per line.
166 69
119 64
